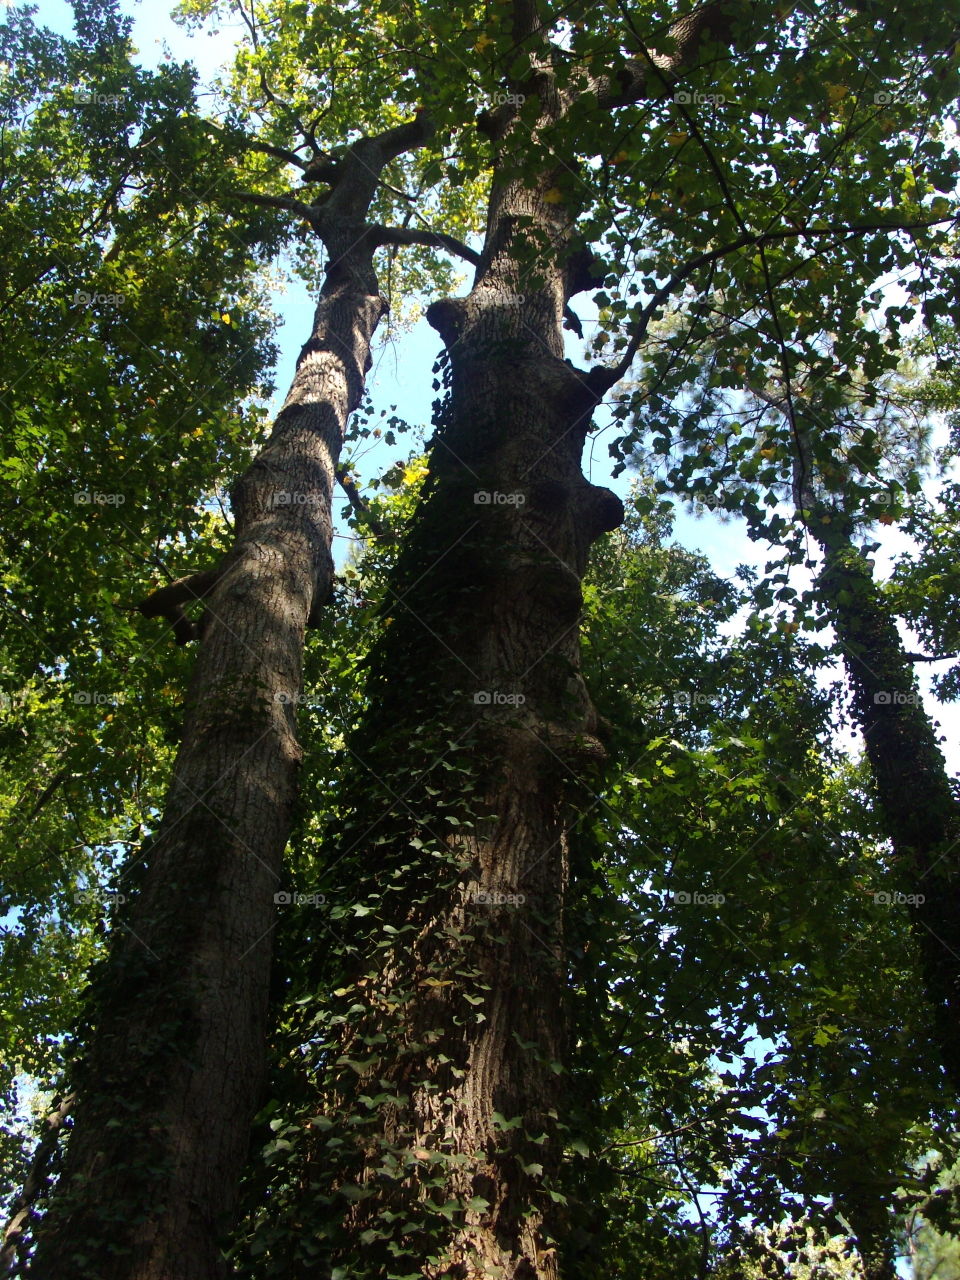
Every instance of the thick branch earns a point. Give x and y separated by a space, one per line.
167 602
655 74
404 137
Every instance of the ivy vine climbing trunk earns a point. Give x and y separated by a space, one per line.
174 1052
434 1040
441 1056
910 774
909 771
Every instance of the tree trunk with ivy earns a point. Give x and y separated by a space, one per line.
174 1053
434 1038
440 1130
916 798
909 771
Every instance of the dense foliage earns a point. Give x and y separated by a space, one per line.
754 1085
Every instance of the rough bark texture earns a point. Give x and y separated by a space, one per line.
457 1027
909 771
440 1062
175 1053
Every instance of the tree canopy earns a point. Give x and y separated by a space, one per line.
512 875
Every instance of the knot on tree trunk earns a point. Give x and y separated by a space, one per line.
600 511
447 317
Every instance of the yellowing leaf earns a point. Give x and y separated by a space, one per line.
553 196
484 42
837 91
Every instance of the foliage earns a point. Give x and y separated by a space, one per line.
134 358
749 1045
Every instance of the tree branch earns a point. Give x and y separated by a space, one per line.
359 503
601 379
35 1181
167 602
415 235
254 144
632 82
291 205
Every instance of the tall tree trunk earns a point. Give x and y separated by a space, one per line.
437 1065
922 816
872 1229
442 1055
175 1050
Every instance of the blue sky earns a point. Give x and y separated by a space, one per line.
402 370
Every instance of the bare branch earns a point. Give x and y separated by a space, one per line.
433 239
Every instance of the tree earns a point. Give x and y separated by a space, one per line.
435 1073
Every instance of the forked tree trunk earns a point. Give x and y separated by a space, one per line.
174 1054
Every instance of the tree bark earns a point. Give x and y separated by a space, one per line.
441 1131
922 816
174 1054
438 1064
